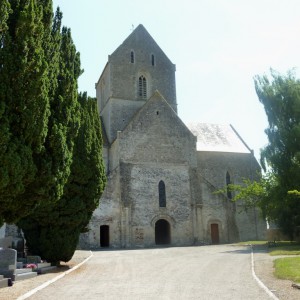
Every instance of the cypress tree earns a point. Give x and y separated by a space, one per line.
54 162
41 227
24 102
64 221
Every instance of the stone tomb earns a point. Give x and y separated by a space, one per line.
4 282
42 267
8 262
6 242
8 266
33 259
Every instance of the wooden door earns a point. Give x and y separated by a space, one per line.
214 228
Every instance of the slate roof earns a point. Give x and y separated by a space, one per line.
218 138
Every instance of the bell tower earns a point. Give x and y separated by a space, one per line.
133 72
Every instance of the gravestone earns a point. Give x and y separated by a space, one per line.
8 262
34 259
18 244
6 242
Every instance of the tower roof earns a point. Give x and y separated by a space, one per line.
140 36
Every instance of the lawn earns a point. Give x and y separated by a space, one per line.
288 268
285 268
285 248
253 243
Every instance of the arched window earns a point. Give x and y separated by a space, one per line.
152 60
162 194
142 89
132 57
228 181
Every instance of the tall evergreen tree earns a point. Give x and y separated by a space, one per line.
63 222
24 102
54 162
45 223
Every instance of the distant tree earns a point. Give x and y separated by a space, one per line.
277 193
62 223
24 101
281 100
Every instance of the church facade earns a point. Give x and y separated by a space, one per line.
162 174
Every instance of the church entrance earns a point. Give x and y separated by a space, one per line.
214 228
162 232
104 236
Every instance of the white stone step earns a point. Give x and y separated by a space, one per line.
3 281
21 271
43 265
23 276
46 269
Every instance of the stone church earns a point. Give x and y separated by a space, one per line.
163 174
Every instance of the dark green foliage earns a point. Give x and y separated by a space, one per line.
4 14
281 100
61 224
24 102
64 119
54 162
52 186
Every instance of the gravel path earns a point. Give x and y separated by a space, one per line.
209 272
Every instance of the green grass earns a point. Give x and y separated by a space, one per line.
253 243
285 248
288 268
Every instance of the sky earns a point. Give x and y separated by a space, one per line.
218 46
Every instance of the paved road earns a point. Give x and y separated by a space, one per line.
207 272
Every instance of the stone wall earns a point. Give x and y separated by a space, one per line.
161 76
103 87
143 193
108 213
117 114
149 144
214 166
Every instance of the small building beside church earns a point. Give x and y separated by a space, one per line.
162 174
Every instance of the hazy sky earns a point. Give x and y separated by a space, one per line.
218 46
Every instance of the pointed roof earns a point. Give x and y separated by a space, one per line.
138 36
218 138
150 104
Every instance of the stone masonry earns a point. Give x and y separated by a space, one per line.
163 174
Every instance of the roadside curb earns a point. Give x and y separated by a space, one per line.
30 293
260 283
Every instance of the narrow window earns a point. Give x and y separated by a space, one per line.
142 87
132 57
228 181
162 194
152 60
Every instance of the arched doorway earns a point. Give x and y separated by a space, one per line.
162 232
104 236
214 229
